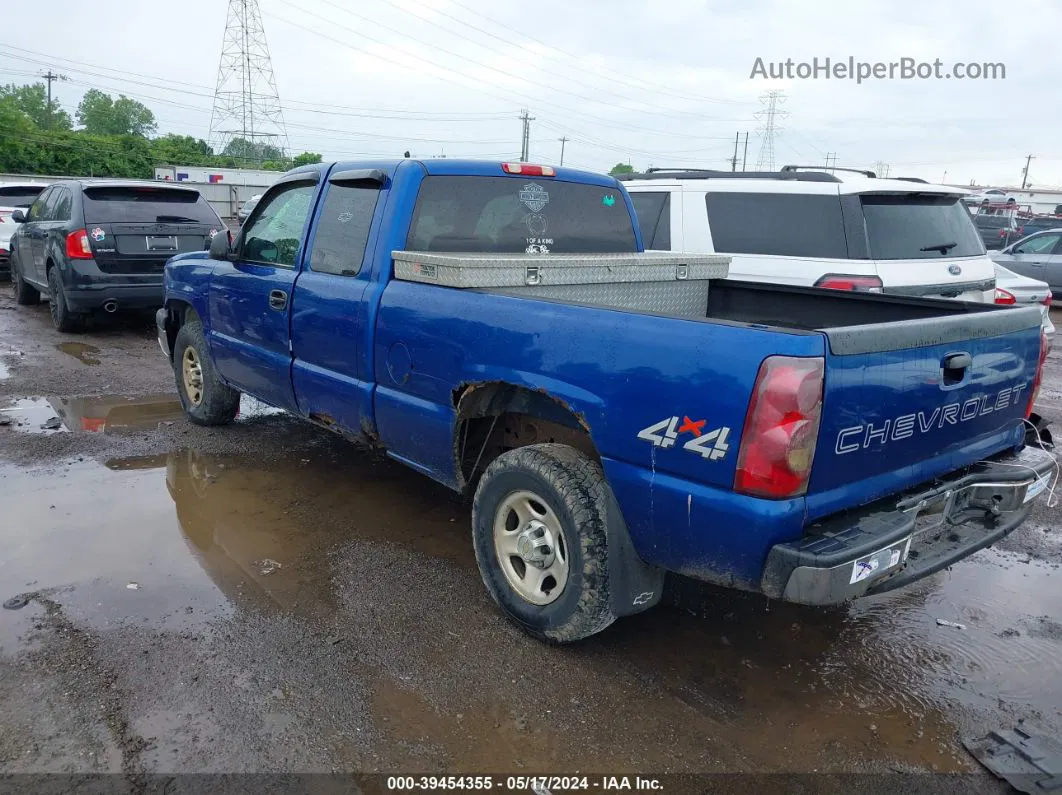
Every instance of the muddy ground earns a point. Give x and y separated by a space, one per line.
264 597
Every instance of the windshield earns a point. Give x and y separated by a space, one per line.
919 227
147 205
519 214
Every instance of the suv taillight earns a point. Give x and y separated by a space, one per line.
841 281
77 245
1035 392
781 427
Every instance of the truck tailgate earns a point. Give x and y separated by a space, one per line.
905 403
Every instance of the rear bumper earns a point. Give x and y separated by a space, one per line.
882 547
126 296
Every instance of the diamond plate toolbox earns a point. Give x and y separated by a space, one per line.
479 271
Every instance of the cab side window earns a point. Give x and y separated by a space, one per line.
274 234
343 228
36 210
64 201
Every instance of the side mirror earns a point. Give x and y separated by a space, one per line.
221 245
18 217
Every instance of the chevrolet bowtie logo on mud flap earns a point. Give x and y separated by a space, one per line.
710 445
860 437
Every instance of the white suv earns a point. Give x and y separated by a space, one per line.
13 196
849 230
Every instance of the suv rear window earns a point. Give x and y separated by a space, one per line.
511 215
15 196
147 205
779 224
902 227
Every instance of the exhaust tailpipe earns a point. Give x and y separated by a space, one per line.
110 306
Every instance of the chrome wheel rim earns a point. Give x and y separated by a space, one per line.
531 547
192 374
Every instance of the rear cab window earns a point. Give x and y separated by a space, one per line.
519 215
150 205
911 227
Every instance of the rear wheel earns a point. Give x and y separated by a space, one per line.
63 319
206 399
539 528
25 295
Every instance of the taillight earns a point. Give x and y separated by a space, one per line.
528 169
1005 296
1047 301
840 281
782 424
1034 393
77 245
1019 231
1002 233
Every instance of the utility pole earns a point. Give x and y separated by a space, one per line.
51 77
525 139
1025 172
563 141
733 160
745 157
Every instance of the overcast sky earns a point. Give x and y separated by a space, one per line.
652 83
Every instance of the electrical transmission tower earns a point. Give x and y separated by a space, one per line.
246 103
770 116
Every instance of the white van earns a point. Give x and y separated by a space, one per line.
846 230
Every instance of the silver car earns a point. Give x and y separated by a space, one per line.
1038 256
1015 289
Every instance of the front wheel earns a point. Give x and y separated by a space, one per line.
539 527
205 398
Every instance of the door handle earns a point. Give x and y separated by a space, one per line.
278 299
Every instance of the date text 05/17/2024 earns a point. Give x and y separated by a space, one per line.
540 785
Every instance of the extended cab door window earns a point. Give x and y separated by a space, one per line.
343 228
274 234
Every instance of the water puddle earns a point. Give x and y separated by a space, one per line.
107 413
84 353
384 555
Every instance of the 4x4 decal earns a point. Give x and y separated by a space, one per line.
710 445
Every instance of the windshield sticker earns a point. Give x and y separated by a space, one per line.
537 224
534 197
98 234
345 217
608 200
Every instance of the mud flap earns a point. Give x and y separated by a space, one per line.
1038 434
634 585
1028 763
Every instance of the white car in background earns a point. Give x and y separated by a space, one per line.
839 229
13 196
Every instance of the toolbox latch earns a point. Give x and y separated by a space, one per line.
532 275
682 271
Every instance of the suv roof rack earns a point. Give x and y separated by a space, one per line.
911 179
831 169
705 173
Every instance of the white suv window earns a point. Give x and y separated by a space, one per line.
778 224
910 227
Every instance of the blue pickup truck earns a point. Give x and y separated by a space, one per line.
808 444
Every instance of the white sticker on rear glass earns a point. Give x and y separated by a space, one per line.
534 197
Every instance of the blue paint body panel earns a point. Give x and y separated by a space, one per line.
384 359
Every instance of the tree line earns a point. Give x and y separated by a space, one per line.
111 137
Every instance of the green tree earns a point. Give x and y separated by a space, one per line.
621 168
33 101
305 159
182 150
245 154
101 115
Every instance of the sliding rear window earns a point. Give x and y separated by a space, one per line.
146 205
906 226
509 215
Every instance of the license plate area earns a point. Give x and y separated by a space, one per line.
880 562
160 242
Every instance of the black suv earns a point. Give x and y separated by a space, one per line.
95 245
997 231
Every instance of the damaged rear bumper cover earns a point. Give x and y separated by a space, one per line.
886 546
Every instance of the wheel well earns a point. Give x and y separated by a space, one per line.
48 265
495 417
177 314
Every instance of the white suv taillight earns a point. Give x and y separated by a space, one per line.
781 427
